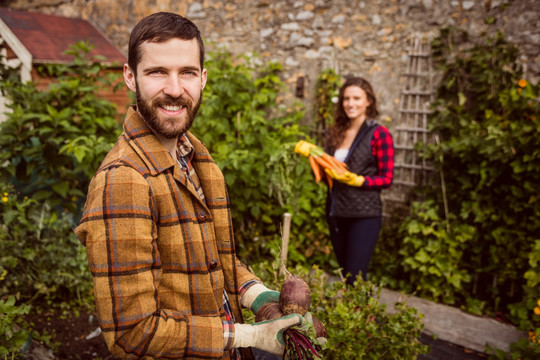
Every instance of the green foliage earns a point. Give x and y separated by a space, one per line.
482 250
54 140
326 93
487 118
358 325
12 338
40 258
432 255
251 132
523 349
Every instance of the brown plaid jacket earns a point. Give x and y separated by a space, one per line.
160 257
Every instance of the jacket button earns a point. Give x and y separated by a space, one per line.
201 218
213 264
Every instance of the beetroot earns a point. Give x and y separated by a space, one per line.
268 311
295 296
320 329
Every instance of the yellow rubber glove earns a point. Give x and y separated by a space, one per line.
304 148
347 177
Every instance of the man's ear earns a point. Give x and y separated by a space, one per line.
203 79
129 78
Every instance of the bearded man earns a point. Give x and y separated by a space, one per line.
157 225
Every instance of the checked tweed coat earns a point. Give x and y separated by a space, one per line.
160 258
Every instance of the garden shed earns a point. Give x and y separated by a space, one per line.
29 39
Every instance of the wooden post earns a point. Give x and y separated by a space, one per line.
285 242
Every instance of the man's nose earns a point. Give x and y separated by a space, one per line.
174 87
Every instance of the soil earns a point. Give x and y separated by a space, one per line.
69 339
69 336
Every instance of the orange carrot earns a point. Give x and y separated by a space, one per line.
339 165
316 169
324 163
329 180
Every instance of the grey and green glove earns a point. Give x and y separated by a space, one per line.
265 335
258 295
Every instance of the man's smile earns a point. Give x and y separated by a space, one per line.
173 108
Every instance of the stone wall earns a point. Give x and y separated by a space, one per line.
370 38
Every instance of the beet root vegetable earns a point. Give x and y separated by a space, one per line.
269 311
295 296
320 329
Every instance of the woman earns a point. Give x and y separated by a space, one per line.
354 207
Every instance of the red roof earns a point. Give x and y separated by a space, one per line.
46 37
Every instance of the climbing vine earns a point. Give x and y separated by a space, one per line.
326 92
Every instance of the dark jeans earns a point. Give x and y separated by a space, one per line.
263 355
354 241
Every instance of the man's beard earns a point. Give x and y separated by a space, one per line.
149 112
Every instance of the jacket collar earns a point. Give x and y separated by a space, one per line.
155 156
146 144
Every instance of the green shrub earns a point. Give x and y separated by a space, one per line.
472 243
432 256
12 337
40 258
326 92
54 140
358 325
487 118
251 130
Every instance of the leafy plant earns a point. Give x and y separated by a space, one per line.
474 243
12 337
40 258
487 115
251 131
524 348
358 325
53 140
432 255
326 93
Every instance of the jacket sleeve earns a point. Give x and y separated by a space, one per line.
119 231
382 147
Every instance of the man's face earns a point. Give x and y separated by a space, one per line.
168 85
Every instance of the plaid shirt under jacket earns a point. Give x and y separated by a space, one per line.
160 256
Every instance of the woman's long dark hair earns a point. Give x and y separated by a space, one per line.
335 133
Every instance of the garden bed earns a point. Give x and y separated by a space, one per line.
70 337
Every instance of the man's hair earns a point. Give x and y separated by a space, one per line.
160 27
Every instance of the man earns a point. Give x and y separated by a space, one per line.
156 223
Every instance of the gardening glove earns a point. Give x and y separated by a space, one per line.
265 335
304 148
258 295
346 177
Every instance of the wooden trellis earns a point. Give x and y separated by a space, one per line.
414 107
